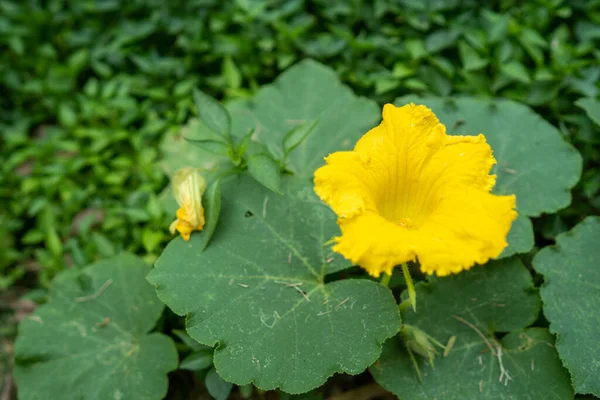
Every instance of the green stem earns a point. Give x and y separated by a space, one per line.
404 305
385 279
415 364
412 294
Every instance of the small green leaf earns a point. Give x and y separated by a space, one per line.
188 341
470 58
572 301
415 48
266 171
198 360
153 207
516 71
246 391
66 115
177 152
259 291
151 238
477 307
216 386
307 91
54 243
212 208
232 73
402 70
243 145
104 246
591 107
542 92
439 40
96 324
496 25
212 113
297 135
212 146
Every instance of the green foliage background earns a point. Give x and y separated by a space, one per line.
89 89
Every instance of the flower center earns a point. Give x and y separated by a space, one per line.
404 222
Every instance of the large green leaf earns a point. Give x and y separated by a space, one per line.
533 161
571 296
481 303
91 341
258 291
307 91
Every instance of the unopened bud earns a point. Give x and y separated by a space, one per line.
419 342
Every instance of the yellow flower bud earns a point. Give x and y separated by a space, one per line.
188 187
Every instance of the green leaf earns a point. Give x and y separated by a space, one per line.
151 238
516 71
402 70
212 146
212 208
591 107
533 161
297 135
496 25
104 246
66 115
470 58
416 48
246 391
571 301
216 386
305 92
94 333
178 153
266 171
54 243
258 291
520 237
198 360
232 73
480 303
188 341
439 40
243 145
212 113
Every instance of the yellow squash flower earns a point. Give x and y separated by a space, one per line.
409 191
188 187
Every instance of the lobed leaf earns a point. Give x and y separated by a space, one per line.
94 333
476 307
258 291
571 300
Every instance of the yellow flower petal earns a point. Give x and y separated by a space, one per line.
408 191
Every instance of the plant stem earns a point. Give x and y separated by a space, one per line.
412 294
385 279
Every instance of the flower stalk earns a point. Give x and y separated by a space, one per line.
412 294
